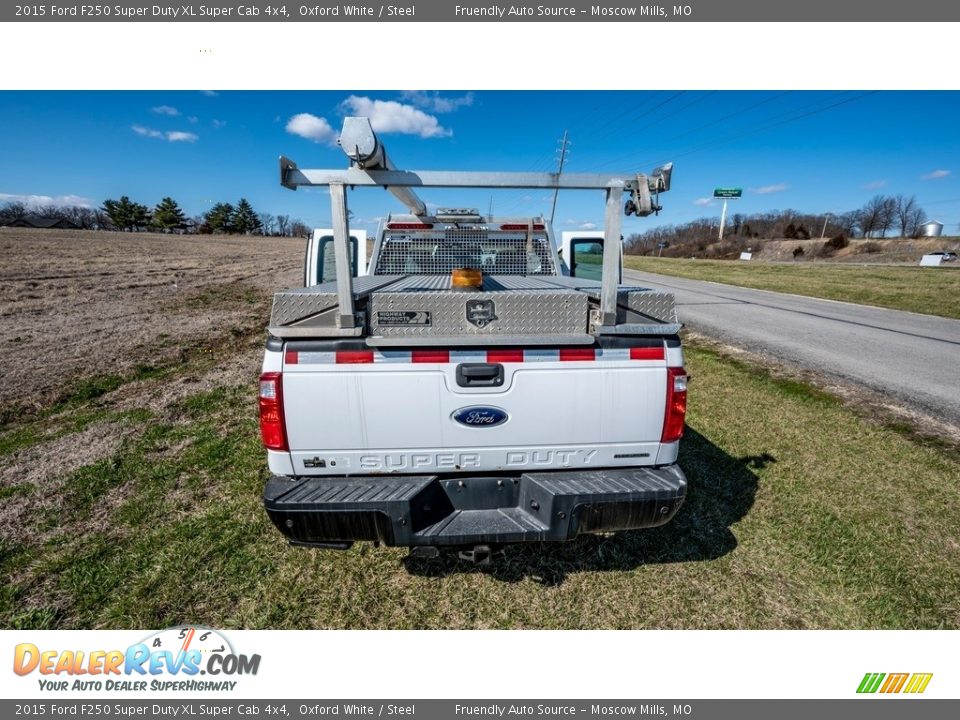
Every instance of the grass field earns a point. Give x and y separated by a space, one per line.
131 476
932 291
801 515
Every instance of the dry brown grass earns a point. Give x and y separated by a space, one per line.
78 304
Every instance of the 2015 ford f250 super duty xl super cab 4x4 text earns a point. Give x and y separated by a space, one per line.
471 387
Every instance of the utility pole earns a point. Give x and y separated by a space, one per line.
824 232
723 220
563 157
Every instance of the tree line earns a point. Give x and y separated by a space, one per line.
126 215
880 217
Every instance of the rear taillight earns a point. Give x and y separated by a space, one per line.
676 411
271 412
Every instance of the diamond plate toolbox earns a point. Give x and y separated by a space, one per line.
301 304
652 304
480 314
290 306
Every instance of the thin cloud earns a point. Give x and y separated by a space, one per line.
587 226
169 135
389 116
875 185
703 202
34 201
936 175
217 124
313 128
768 189
435 102
193 119
178 136
165 110
210 93
146 132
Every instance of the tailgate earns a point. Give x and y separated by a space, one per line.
354 410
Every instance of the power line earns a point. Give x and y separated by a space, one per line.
717 121
763 128
730 115
642 115
626 112
661 118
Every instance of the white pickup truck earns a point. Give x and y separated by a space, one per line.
469 387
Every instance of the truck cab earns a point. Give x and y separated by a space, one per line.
320 262
582 254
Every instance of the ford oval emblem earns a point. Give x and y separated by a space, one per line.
480 416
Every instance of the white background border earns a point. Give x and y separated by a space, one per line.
522 664
547 56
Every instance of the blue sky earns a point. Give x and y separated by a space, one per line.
812 151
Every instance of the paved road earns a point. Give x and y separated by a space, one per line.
913 359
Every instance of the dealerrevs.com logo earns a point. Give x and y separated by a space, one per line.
172 659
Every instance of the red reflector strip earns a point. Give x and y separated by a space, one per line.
574 354
646 353
504 356
430 356
520 226
495 355
350 357
409 226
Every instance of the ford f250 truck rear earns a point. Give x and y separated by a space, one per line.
471 388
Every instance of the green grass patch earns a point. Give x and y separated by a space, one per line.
800 514
229 294
94 387
10 491
60 421
19 437
916 289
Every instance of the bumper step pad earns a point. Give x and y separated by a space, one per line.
430 510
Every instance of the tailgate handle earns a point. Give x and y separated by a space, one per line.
479 374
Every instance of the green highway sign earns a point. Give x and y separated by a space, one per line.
728 192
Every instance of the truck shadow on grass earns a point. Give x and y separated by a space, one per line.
721 492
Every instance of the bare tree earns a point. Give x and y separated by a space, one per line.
79 215
13 210
847 223
905 208
299 229
877 216
916 218
888 215
283 224
101 221
268 223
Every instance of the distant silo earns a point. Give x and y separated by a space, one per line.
932 229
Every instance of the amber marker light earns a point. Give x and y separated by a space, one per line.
466 279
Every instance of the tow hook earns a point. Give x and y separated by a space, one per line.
424 552
479 555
